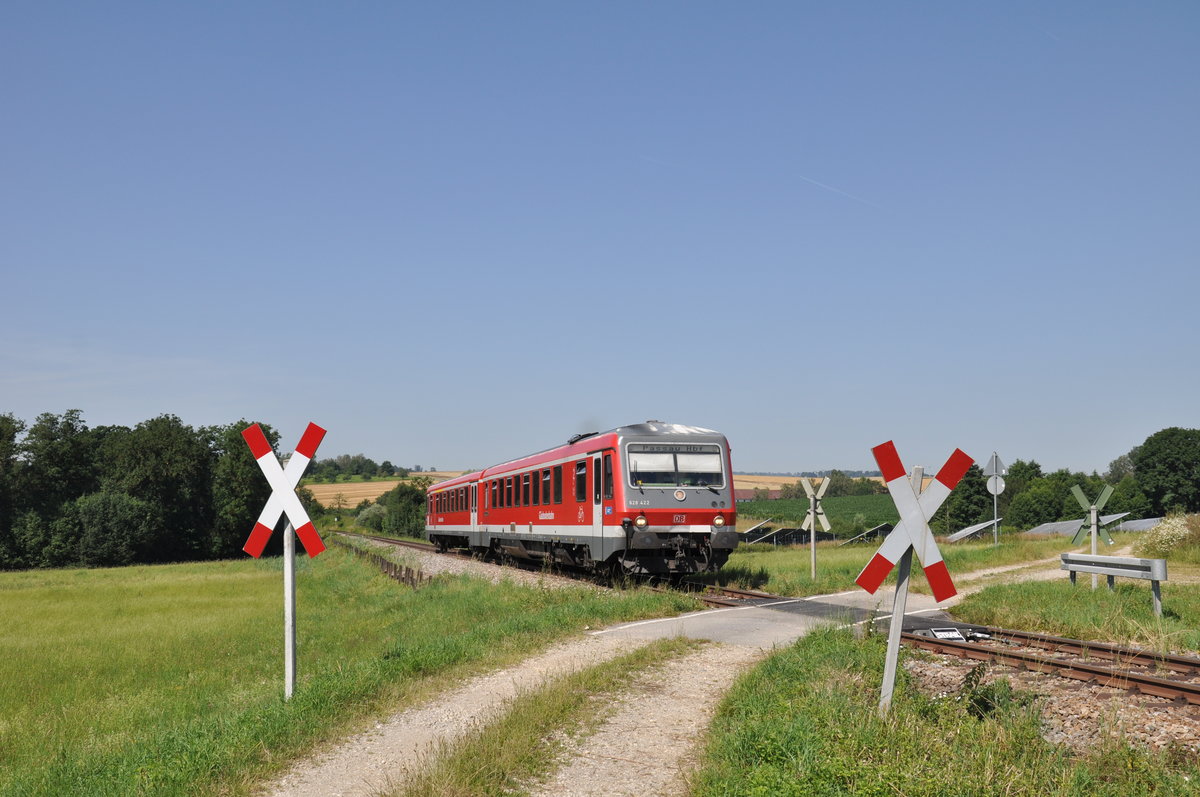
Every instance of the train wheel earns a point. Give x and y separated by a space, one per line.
617 575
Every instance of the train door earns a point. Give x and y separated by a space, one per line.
598 500
473 492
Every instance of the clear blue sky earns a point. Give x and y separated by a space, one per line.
453 233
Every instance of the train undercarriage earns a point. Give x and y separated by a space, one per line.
660 554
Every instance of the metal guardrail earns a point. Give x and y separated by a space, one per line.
1152 570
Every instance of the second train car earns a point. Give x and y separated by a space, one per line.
647 499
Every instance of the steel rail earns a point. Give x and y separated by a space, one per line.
1184 665
1082 671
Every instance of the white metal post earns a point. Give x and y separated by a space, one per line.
899 604
812 534
897 625
996 518
289 611
1095 533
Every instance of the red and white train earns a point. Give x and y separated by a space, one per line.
651 498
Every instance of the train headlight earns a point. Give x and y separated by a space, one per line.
640 521
719 520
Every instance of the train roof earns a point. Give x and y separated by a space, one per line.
580 443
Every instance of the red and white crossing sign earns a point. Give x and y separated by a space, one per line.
283 483
915 508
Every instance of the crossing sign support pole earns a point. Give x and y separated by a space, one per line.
899 605
995 472
289 611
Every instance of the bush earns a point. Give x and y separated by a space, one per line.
372 517
1174 533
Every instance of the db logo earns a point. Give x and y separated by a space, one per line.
680 519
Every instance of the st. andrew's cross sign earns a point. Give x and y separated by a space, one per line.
283 500
913 529
283 483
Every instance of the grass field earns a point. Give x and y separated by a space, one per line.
168 679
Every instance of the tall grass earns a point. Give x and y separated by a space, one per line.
168 679
805 723
1125 615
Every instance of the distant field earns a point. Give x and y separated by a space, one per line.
355 492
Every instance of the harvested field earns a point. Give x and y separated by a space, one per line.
355 492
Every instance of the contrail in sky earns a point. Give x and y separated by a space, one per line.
839 191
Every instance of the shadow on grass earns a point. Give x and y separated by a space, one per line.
735 576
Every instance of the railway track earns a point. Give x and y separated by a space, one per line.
1075 665
709 594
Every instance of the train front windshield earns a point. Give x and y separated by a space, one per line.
676 465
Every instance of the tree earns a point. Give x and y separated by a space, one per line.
105 529
239 490
169 465
968 504
839 484
10 429
1167 468
404 507
57 463
1020 476
1128 497
1121 467
1039 504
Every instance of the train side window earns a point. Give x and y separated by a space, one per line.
558 471
608 476
596 492
525 490
508 491
546 486
537 488
581 481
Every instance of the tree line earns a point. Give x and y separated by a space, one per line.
1159 477
346 466
161 491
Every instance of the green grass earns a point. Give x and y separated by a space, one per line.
168 679
787 570
805 723
1124 616
521 746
